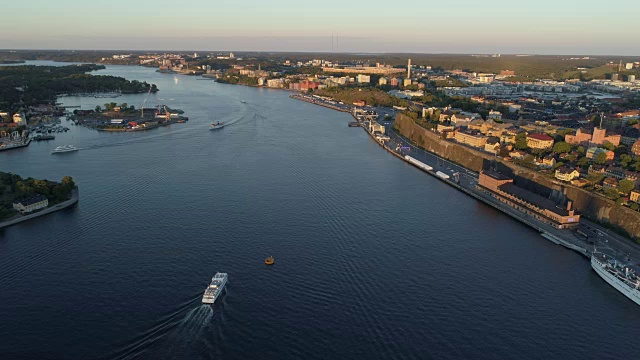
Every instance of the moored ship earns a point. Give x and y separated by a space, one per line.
618 275
215 126
212 293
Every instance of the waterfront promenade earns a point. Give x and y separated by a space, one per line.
75 196
605 240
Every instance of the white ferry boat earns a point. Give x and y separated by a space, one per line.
620 276
212 293
215 126
64 149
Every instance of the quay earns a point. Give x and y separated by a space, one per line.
466 181
75 196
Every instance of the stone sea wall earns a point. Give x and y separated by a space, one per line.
590 205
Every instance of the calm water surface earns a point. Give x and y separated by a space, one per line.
374 259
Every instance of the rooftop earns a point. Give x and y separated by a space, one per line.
496 175
32 200
532 198
543 137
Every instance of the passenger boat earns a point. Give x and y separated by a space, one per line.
212 293
215 126
620 276
64 149
269 261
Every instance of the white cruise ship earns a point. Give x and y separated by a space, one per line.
212 293
64 149
621 277
215 126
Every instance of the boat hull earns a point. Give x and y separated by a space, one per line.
633 294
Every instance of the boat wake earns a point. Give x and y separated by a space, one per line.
160 330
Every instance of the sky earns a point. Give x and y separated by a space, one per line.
587 27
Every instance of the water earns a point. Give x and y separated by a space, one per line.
374 259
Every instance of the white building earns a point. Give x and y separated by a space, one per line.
363 79
383 81
19 119
31 204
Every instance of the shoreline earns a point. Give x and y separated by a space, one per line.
553 235
75 196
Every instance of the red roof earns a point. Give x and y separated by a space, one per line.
543 137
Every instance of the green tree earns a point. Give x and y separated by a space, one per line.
609 146
98 108
521 141
580 150
583 161
625 160
600 159
595 178
561 147
68 181
634 206
625 186
612 194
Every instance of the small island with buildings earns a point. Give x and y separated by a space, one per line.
23 199
125 118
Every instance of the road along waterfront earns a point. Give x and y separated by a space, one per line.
466 181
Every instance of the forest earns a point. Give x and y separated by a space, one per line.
25 85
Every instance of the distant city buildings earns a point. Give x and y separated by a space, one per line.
597 136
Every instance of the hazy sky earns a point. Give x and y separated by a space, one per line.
453 26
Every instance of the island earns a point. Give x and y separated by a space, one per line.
23 199
126 118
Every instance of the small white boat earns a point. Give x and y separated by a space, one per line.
215 126
212 293
64 149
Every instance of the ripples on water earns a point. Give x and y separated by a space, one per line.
373 258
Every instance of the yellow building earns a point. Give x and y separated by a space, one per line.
566 174
471 138
539 141
635 196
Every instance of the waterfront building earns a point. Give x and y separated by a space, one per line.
472 138
383 81
394 82
19 118
31 204
566 174
539 141
502 188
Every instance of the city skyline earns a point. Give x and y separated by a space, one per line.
287 26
